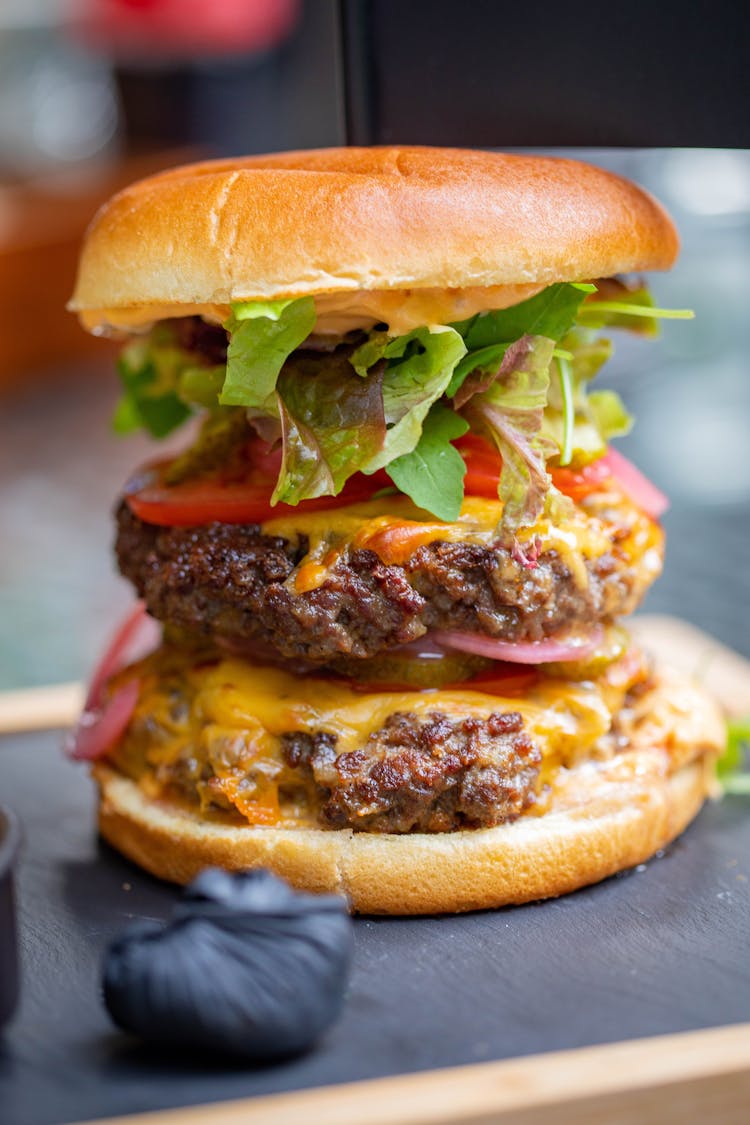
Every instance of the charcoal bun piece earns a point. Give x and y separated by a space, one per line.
10 842
246 967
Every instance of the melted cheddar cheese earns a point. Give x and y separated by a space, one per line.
211 728
394 528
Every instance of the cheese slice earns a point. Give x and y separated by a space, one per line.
394 528
217 724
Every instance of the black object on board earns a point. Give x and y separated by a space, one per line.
490 73
245 967
10 839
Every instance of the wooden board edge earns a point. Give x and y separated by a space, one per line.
54 707
723 673
693 1076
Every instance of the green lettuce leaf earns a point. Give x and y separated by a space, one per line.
433 473
336 422
332 424
150 369
223 432
201 386
262 335
418 369
734 765
609 414
371 352
510 412
579 422
487 335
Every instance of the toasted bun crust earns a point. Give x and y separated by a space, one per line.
344 219
607 817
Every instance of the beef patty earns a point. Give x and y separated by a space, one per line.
229 581
434 775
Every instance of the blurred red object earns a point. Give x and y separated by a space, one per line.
186 27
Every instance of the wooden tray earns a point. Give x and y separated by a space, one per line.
627 1001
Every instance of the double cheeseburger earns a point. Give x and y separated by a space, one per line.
392 561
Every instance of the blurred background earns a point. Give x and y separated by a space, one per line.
96 93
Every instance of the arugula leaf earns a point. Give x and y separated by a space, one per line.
734 765
418 370
613 312
484 362
332 424
487 335
622 304
433 473
550 313
262 336
149 375
511 413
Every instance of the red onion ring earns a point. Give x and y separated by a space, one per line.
98 729
101 724
138 635
523 652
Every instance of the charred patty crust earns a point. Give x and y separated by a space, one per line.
436 775
235 584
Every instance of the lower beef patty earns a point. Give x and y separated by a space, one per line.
230 581
431 776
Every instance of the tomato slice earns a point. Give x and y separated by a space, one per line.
209 500
241 494
578 483
484 463
247 499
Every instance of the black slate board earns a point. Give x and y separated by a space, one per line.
661 949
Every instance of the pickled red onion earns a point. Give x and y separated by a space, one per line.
98 729
102 723
137 635
523 652
639 488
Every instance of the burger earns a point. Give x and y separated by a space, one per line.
390 563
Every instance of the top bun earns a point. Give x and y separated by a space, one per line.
339 220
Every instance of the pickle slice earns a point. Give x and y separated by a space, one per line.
432 669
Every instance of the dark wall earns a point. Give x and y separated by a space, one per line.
494 73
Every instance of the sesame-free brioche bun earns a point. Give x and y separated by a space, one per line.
605 816
343 220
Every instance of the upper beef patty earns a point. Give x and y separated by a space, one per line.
230 581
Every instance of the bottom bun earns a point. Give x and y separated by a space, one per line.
605 816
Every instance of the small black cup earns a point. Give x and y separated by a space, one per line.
10 839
